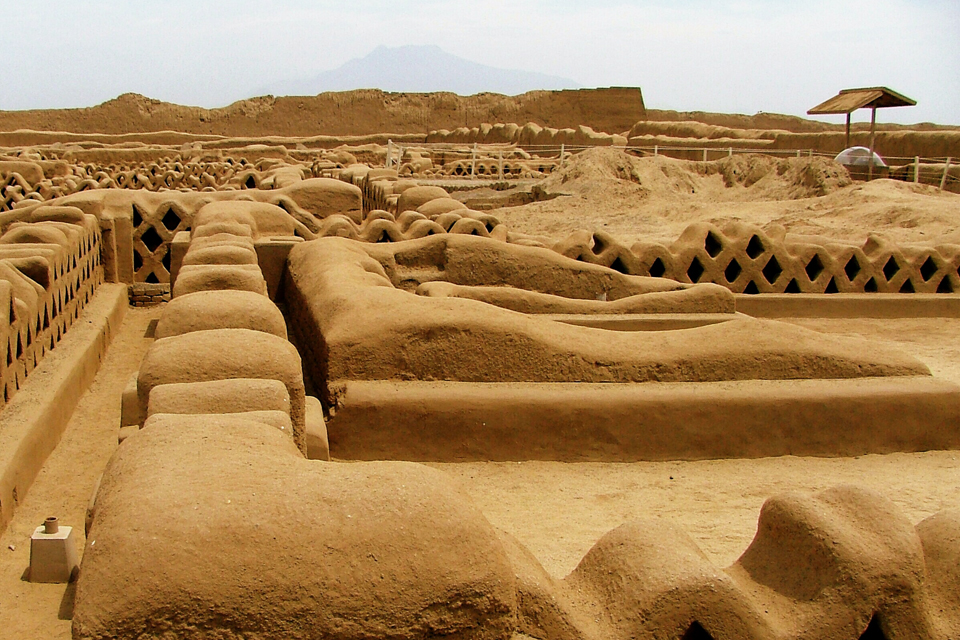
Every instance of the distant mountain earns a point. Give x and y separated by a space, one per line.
418 69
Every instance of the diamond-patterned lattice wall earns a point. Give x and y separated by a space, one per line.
745 259
152 233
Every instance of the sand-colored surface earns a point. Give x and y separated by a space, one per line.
655 199
356 112
613 110
64 487
557 510
560 510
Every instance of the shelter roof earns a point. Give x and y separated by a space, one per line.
850 100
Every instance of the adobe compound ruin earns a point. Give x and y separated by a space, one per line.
350 310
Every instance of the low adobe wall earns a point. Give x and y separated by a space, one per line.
50 268
33 421
746 259
219 527
436 376
212 487
899 143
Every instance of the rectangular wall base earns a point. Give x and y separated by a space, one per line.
462 421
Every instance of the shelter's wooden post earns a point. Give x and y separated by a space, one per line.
946 168
389 152
873 141
501 164
916 169
730 152
473 160
656 150
798 153
846 144
561 153
704 154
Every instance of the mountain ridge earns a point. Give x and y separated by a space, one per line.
418 69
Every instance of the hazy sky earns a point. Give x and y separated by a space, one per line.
743 57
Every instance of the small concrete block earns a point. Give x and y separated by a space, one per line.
53 556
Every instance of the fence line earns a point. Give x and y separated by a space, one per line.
480 155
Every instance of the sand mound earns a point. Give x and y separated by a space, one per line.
780 179
613 172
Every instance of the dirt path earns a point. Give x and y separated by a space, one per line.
63 489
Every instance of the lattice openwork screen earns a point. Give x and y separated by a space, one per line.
62 288
745 259
152 233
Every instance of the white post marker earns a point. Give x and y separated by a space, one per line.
561 154
473 160
501 163
656 150
730 152
389 152
916 169
704 154
946 168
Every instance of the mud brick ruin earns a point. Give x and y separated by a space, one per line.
333 316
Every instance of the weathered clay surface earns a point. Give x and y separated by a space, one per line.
217 527
226 309
360 323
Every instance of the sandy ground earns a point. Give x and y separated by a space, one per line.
63 488
655 199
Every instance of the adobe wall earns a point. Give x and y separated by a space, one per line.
218 433
889 143
279 546
605 109
50 268
139 222
219 399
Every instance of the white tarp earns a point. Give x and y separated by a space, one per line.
859 157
